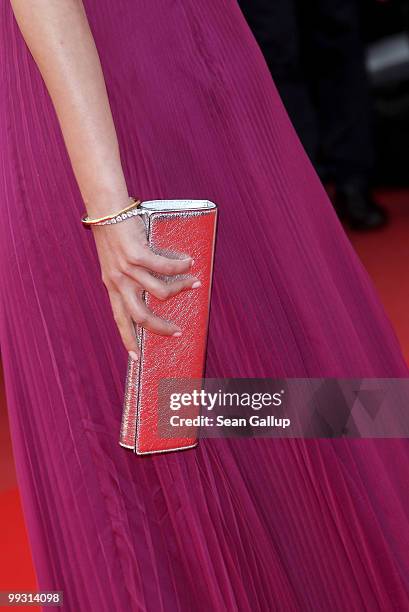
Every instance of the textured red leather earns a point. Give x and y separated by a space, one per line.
172 233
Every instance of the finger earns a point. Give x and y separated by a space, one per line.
125 325
161 264
162 289
141 314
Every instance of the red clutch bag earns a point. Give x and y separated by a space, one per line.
183 227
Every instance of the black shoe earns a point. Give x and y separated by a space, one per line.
358 209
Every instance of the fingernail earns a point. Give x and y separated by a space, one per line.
196 284
133 355
193 261
177 334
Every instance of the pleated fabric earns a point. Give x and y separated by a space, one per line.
247 525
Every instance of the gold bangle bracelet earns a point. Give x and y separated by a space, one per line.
88 221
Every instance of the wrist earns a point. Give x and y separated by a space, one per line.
106 202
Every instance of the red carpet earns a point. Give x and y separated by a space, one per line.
385 254
16 569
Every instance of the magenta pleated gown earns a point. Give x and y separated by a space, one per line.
234 525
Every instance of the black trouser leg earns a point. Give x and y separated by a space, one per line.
335 60
276 29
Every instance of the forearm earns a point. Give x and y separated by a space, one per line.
59 38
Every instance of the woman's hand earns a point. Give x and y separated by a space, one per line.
126 262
